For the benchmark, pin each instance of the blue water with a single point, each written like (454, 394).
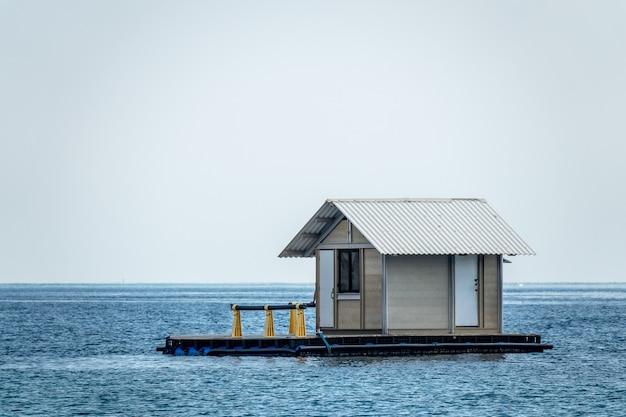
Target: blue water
(90, 350)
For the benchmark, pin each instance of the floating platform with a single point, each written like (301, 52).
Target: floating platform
(353, 345)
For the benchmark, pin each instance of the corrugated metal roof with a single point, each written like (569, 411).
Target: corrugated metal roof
(415, 227)
(320, 224)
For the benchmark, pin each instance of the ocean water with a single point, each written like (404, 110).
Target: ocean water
(91, 350)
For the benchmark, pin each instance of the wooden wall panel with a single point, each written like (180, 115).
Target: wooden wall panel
(348, 314)
(417, 292)
(339, 234)
(372, 289)
(490, 292)
(357, 237)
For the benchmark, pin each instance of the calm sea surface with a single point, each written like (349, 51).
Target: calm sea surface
(90, 350)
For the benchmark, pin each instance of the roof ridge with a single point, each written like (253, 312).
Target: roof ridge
(408, 199)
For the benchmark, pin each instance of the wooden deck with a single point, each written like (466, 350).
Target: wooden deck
(351, 345)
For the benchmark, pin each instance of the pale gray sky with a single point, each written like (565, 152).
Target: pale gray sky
(188, 141)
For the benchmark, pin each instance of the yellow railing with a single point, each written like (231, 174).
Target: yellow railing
(297, 324)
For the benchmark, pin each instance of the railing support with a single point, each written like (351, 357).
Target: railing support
(300, 324)
(293, 325)
(269, 322)
(236, 321)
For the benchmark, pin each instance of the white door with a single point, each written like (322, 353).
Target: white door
(466, 290)
(327, 289)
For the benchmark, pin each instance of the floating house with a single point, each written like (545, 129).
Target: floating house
(392, 277)
(408, 266)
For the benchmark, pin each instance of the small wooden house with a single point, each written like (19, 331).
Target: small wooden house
(407, 266)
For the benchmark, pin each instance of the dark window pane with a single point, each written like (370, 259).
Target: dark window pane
(344, 271)
(349, 271)
(355, 273)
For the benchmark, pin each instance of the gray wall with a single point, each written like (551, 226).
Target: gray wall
(417, 292)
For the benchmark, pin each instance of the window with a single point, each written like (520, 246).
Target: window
(349, 270)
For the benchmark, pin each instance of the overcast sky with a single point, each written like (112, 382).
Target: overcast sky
(189, 141)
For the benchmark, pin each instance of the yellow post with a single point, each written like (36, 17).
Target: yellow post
(292, 320)
(269, 322)
(236, 321)
(301, 326)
